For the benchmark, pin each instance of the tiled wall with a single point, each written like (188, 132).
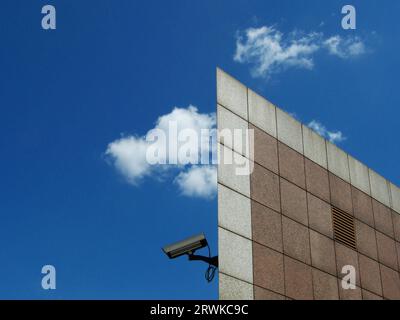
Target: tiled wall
(276, 236)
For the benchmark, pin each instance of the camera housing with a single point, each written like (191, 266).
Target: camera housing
(187, 246)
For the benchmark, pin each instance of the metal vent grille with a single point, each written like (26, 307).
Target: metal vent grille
(343, 228)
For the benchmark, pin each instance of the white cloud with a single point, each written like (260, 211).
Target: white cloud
(198, 181)
(129, 154)
(129, 157)
(188, 118)
(267, 49)
(332, 136)
(270, 51)
(344, 48)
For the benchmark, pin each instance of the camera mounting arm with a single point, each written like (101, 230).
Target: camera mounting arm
(210, 260)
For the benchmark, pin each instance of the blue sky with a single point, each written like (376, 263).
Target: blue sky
(114, 67)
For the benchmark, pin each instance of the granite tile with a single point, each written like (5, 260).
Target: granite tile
(294, 202)
(268, 268)
(267, 226)
(298, 280)
(265, 187)
(291, 165)
(296, 241)
(317, 180)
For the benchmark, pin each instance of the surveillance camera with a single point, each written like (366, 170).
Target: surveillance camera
(187, 246)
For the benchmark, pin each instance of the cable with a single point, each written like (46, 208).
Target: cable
(210, 272)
